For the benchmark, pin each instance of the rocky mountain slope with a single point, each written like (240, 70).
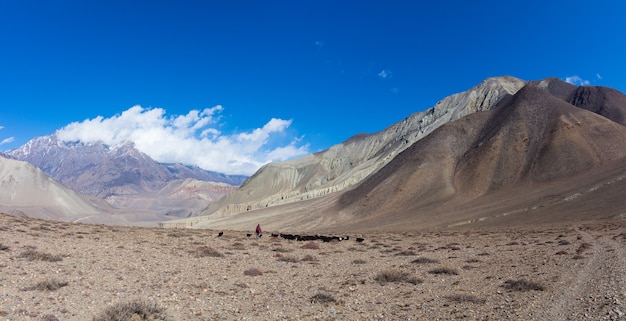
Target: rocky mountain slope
(344, 165)
(28, 191)
(125, 177)
(541, 154)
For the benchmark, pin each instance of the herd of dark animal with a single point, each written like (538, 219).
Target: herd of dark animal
(298, 237)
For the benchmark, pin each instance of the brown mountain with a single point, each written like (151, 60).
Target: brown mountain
(548, 153)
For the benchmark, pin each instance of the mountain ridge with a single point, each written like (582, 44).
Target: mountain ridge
(125, 177)
(344, 165)
(497, 161)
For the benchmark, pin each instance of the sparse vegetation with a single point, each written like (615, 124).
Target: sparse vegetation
(523, 285)
(238, 246)
(308, 258)
(323, 298)
(582, 248)
(46, 285)
(462, 298)
(290, 259)
(253, 272)
(359, 261)
(444, 270)
(310, 246)
(424, 260)
(204, 251)
(33, 255)
(396, 276)
(134, 310)
(281, 250)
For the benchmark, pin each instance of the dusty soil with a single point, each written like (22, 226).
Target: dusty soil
(62, 271)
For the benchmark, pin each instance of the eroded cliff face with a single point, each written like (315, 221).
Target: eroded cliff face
(348, 163)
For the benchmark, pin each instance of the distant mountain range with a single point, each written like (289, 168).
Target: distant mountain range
(125, 177)
(541, 149)
(505, 152)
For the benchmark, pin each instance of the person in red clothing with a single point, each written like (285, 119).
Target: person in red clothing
(259, 231)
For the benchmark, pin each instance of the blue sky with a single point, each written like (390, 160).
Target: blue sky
(231, 85)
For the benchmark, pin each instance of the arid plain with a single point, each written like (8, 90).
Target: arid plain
(63, 271)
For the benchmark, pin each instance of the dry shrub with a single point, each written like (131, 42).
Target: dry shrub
(50, 317)
(203, 251)
(310, 246)
(406, 253)
(34, 255)
(461, 298)
(396, 276)
(523, 285)
(308, 258)
(290, 259)
(46, 285)
(238, 246)
(582, 248)
(281, 250)
(134, 310)
(253, 272)
(177, 234)
(359, 261)
(323, 298)
(444, 270)
(424, 260)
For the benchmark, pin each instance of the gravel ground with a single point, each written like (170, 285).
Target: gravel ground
(62, 271)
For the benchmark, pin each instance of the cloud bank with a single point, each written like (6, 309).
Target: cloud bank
(191, 139)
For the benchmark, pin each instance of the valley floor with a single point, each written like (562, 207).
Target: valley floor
(62, 271)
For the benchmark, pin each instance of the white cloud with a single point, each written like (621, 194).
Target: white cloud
(385, 73)
(193, 138)
(598, 76)
(576, 80)
(7, 140)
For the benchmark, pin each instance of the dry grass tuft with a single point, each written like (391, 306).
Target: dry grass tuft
(323, 298)
(444, 270)
(308, 258)
(424, 260)
(523, 285)
(135, 310)
(203, 251)
(359, 261)
(46, 285)
(253, 272)
(290, 259)
(582, 248)
(34, 255)
(281, 250)
(396, 276)
(310, 246)
(461, 298)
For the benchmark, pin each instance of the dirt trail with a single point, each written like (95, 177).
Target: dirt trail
(598, 290)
